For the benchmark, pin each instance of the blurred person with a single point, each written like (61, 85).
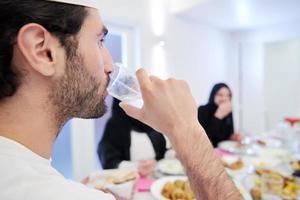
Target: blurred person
(216, 116)
(53, 67)
(127, 142)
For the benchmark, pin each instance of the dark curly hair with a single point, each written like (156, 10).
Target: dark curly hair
(61, 20)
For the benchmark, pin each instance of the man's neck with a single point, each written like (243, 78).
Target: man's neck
(29, 123)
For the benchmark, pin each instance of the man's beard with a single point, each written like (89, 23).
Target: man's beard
(76, 93)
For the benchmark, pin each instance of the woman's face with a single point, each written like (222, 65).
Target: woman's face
(223, 95)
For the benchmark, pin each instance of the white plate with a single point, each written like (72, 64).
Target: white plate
(158, 185)
(234, 173)
(233, 147)
(228, 145)
(278, 153)
(237, 147)
(265, 162)
(249, 181)
(270, 142)
(170, 167)
(99, 181)
(246, 195)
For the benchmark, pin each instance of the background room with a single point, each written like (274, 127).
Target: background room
(253, 45)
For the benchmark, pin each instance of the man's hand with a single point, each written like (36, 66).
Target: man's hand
(170, 108)
(146, 167)
(85, 181)
(236, 137)
(168, 104)
(223, 110)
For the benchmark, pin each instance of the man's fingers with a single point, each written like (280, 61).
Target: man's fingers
(143, 79)
(131, 110)
(85, 180)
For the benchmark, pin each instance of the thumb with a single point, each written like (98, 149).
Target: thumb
(130, 110)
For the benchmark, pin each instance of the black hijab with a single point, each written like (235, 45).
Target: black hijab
(211, 101)
(217, 130)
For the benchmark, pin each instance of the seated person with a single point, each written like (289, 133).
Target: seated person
(216, 116)
(125, 139)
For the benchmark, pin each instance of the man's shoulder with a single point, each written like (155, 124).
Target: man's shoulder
(68, 189)
(57, 189)
(26, 182)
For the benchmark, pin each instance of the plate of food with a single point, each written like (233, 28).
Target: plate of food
(265, 162)
(234, 165)
(120, 182)
(178, 187)
(236, 147)
(296, 165)
(278, 153)
(170, 167)
(288, 190)
(267, 141)
(246, 195)
(172, 188)
(230, 146)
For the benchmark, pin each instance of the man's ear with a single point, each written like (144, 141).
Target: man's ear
(38, 48)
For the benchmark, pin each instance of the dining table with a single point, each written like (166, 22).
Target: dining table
(255, 152)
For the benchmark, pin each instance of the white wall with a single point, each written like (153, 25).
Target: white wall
(252, 88)
(180, 5)
(197, 54)
(274, 33)
(233, 78)
(82, 145)
(252, 83)
(282, 80)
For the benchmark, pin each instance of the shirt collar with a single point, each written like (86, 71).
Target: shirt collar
(12, 148)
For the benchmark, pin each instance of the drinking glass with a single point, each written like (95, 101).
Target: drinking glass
(125, 86)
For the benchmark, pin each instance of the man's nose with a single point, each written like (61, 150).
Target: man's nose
(108, 61)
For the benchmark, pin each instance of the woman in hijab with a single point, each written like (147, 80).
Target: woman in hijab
(216, 116)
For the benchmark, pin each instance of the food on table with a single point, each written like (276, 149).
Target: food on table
(296, 165)
(179, 183)
(116, 178)
(288, 191)
(256, 192)
(261, 142)
(236, 147)
(179, 189)
(235, 165)
(260, 172)
(122, 177)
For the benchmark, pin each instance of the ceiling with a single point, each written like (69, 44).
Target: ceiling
(243, 14)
